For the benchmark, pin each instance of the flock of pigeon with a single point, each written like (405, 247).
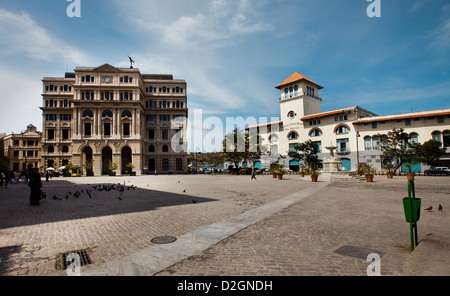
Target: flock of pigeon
(96, 188)
(100, 188)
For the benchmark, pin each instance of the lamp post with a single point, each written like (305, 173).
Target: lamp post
(357, 148)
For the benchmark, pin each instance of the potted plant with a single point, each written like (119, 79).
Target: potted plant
(113, 166)
(360, 169)
(389, 170)
(279, 171)
(131, 167)
(313, 170)
(368, 172)
(302, 170)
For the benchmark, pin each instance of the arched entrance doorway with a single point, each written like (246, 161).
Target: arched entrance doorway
(106, 159)
(346, 164)
(126, 158)
(87, 160)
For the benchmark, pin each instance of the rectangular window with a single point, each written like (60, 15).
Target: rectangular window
(107, 129)
(87, 129)
(126, 129)
(151, 134)
(407, 122)
(165, 134)
(440, 119)
(65, 134)
(319, 146)
(342, 145)
(374, 125)
(50, 134)
(292, 147)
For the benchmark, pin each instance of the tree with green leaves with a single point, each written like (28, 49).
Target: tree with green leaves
(399, 149)
(239, 146)
(430, 152)
(306, 154)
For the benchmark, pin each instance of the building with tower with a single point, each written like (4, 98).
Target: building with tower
(354, 131)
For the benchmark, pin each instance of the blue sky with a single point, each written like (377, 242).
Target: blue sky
(233, 52)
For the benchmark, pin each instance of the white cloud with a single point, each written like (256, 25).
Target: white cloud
(195, 43)
(19, 33)
(21, 100)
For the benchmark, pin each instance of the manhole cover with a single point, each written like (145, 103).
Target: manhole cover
(357, 252)
(163, 240)
(74, 257)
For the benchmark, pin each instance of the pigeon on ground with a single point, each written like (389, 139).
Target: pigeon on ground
(184, 190)
(194, 201)
(54, 197)
(440, 207)
(429, 209)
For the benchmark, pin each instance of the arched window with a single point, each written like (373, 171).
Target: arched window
(367, 143)
(126, 113)
(151, 149)
(293, 136)
(51, 103)
(273, 138)
(50, 149)
(65, 103)
(165, 148)
(286, 93)
(375, 143)
(107, 113)
(291, 92)
(65, 149)
(88, 113)
(341, 129)
(437, 136)
(178, 104)
(315, 133)
(295, 90)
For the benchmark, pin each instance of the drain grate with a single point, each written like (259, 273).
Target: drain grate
(163, 240)
(357, 252)
(64, 260)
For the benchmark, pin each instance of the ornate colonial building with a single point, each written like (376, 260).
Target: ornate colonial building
(354, 131)
(110, 115)
(22, 149)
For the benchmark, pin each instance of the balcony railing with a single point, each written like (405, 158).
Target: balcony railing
(299, 94)
(343, 151)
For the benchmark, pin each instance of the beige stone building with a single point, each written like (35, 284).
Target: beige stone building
(22, 149)
(115, 115)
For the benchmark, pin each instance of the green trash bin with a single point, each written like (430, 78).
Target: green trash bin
(416, 204)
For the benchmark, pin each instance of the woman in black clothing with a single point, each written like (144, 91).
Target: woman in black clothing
(35, 187)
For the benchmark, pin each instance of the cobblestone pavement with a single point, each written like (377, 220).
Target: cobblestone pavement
(31, 238)
(302, 239)
(306, 238)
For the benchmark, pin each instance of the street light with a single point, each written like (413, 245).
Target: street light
(357, 148)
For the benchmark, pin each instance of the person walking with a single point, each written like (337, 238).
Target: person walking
(7, 178)
(253, 174)
(35, 187)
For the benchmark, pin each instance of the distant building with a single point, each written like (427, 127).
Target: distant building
(22, 149)
(353, 130)
(114, 115)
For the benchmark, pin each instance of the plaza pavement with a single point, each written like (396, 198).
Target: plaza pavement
(225, 225)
